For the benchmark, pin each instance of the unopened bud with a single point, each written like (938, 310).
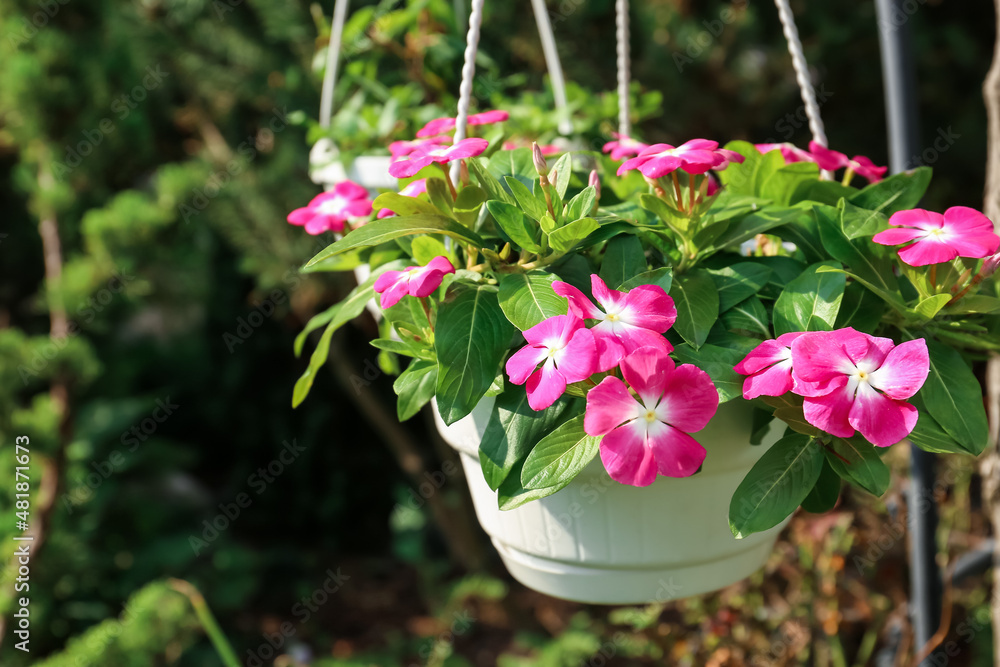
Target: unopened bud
(554, 176)
(505, 251)
(990, 265)
(596, 182)
(536, 156)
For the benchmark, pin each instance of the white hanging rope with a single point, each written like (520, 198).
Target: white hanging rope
(468, 73)
(801, 71)
(332, 60)
(624, 68)
(554, 66)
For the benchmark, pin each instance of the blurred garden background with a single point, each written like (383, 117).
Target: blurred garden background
(150, 298)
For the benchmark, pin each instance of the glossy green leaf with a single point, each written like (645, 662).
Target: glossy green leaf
(749, 318)
(388, 229)
(471, 338)
(512, 494)
(898, 192)
(718, 362)
(776, 485)
(810, 302)
(563, 169)
(488, 181)
(415, 387)
(759, 222)
(560, 456)
(567, 236)
(858, 255)
(954, 398)
(697, 301)
(528, 298)
(403, 205)
(582, 205)
(859, 222)
(525, 199)
(515, 224)
(663, 277)
(825, 493)
(738, 281)
(623, 260)
(513, 429)
(857, 461)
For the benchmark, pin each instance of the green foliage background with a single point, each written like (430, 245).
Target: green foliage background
(168, 138)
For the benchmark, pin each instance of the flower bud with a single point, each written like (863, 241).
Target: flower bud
(554, 176)
(990, 265)
(596, 182)
(536, 156)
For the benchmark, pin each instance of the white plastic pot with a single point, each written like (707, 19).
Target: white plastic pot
(372, 172)
(599, 541)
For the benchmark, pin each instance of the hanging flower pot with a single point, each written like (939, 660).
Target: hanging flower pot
(599, 541)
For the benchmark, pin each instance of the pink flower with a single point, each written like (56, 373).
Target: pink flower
(623, 147)
(829, 160)
(860, 382)
(695, 157)
(712, 186)
(328, 211)
(567, 352)
(960, 232)
(790, 152)
(414, 189)
(418, 281)
(420, 158)
(439, 125)
(769, 367)
(628, 320)
(648, 434)
(400, 149)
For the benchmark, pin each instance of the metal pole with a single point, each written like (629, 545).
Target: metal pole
(902, 120)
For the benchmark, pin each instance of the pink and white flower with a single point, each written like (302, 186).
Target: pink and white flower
(400, 149)
(790, 152)
(695, 157)
(649, 433)
(418, 281)
(330, 210)
(830, 160)
(934, 238)
(567, 352)
(439, 125)
(860, 383)
(627, 320)
(623, 146)
(768, 367)
(420, 158)
(414, 189)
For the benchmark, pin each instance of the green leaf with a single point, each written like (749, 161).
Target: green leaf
(426, 248)
(863, 466)
(718, 362)
(512, 494)
(928, 434)
(858, 255)
(345, 262)
(697, 303)
(756, 223)
(825, 493)
(665, 212)
(408, 348)
(514, 223)
(899, 192)
(471, 338)
(489, 182)
(528, 298)
(776, 485)
(560, 456)
(810, 302)
(748, 317)
(861, 308)
(783, 183)
(564, 169)
(513, 429)
(929, 307)
(582, 204)
(662, 277)
(440, 194)
(564, 238)
(860, 222)
(402, 205)
(978, 303)
(339, 315)
(388, 229)
(525, 199)
(739, 281)
(317, 321)
(623, 259)
(415, 387)
(954, 398)
(468, 204)
(517, 163)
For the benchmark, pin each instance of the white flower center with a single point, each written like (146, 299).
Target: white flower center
(331, 206)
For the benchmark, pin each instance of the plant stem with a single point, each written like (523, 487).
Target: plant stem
(447, 179)
(212, 629)
(933, 277)
(692, 186)
(848, 175)
(677, 190)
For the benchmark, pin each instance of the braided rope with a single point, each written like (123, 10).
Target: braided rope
(801, 71)
(468, 73)
(624, 68)
(554, 66)
(332, 58)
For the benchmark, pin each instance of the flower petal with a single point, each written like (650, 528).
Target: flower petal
(545, 386)
(393, 293)
(880, 419)
(350, 190)
(904, 370)
(898, 235)
(626, 457)
(773, 381)
(690, 399)
(609, 404)
(522, 363)
(649, 307)
(677, 454)
(578, 360)
(917, 218)
(647, 370)
(301, 216)
(830, 412)
(927, 251)
(579, 304)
